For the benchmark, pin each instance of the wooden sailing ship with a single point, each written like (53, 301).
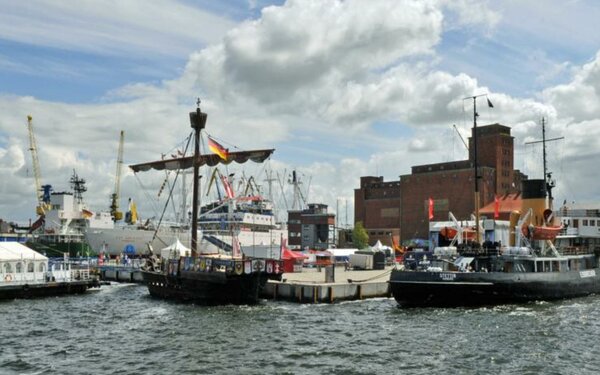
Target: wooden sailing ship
(230, 278)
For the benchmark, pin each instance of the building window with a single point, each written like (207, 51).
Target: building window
(7, 268)
(585, 223)
(42, 267)
(30, 267)
(19, 267)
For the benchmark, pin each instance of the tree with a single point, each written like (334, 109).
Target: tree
(360, 238)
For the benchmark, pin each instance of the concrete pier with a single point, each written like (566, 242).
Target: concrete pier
(120, 273)
(316, 286)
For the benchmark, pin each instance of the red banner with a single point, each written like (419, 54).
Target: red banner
(430, 209)
(496, 207)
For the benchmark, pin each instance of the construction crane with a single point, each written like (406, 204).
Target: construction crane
(42, 193)
(114, 202)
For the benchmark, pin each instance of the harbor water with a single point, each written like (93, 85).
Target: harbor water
(120, 329)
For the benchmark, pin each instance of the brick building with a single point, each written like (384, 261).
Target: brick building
(398, 210)
(312, 228)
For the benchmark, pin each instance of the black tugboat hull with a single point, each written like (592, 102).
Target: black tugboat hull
(211, 288)
(416, 288)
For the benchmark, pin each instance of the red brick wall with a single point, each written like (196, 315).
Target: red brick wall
(450, 185)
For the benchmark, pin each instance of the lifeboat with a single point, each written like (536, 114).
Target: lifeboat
(541, 233)
(450, 233)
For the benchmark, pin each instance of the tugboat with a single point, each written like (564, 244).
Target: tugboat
(530, 268)
(228, 277)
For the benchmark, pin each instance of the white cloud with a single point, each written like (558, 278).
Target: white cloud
(472, 14)
(310, 78)
(149, 28)
(580, 98)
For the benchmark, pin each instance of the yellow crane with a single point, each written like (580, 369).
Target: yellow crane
(114, 204)
(42, 193)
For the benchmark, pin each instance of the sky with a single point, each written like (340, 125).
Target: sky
(341, 89)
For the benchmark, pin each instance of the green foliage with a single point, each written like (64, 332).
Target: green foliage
(360, 238)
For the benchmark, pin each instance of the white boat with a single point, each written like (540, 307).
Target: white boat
(252, 220)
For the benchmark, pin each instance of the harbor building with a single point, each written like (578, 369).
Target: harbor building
(312, 228)
(396, 211)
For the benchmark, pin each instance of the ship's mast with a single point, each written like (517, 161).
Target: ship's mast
(475, 168)
(78, 185)
(548, 183)
(475, 164)
(198, 122)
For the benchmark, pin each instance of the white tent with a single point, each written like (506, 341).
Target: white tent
(13, 251)
(378, 246)
(20, 264)
(175, 250)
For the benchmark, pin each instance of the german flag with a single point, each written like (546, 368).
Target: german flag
(215, 147)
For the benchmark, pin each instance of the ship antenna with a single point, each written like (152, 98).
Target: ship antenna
(548, 183)
(474, 156)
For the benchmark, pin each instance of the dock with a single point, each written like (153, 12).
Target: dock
(120, 272)
(314, 285)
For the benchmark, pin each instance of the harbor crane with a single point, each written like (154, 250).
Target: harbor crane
(115, 196)
(42, 193)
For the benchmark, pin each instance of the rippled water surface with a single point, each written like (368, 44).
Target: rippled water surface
(120, 329)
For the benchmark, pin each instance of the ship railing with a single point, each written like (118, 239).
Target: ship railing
(22, 278)
(64, 271)
(478, 252)
(575, 250)
(80, 274)
(123, 263)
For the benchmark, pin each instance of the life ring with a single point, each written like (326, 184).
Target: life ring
(8, 278)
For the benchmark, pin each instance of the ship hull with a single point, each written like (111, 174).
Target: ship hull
(45, 290)
(420, 288)
(134, 241)
(75, 248)
(212, 288)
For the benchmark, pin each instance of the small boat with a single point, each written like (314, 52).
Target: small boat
(24, 273)
(200, 275)
(542, 233)
(451, 233)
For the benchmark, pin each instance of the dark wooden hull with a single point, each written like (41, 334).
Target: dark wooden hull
(421, 288)
(212, 288)
(13, 291)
